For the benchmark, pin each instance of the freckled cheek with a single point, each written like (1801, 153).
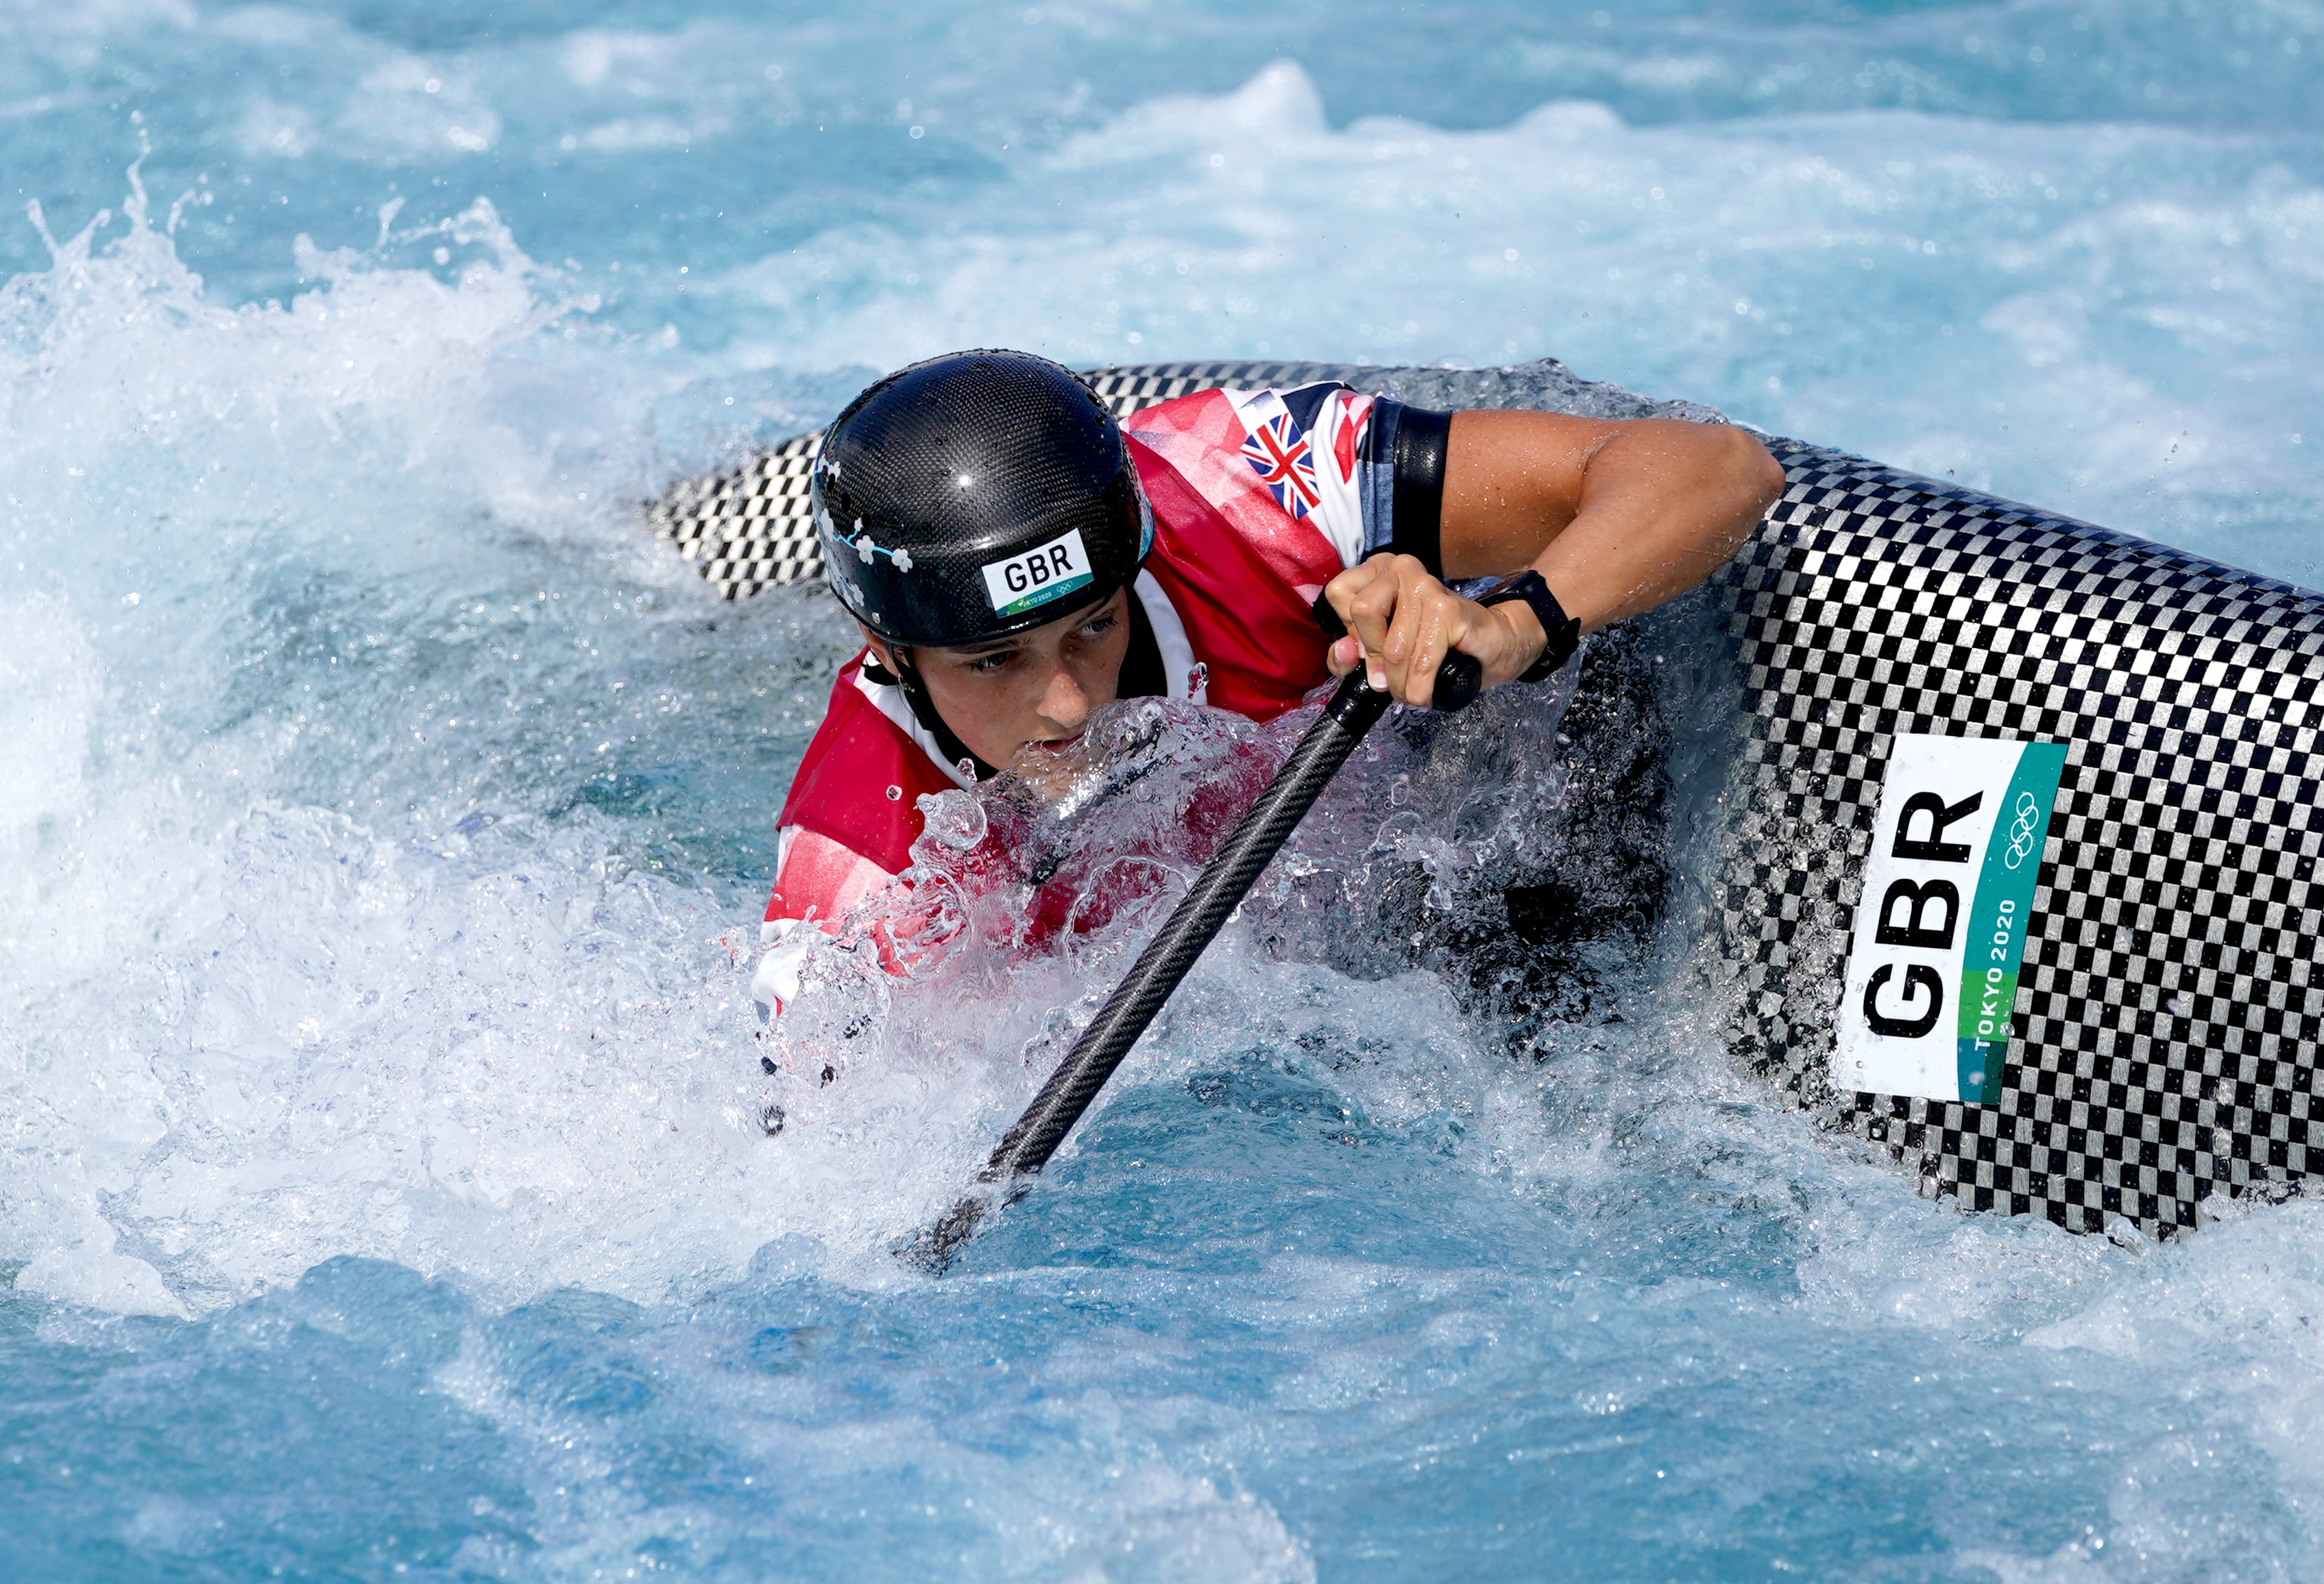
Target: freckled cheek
(987, 702)
(1099, 672)
(988, 713)
(1015, 707)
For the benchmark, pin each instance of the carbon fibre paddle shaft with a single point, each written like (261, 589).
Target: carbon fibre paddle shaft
(1192, 925)
(1196, 920)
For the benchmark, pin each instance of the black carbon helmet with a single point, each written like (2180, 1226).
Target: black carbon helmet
(962, 498)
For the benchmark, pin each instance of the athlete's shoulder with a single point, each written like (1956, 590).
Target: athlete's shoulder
(1287, 468)
(1241, 420)
(862, 778)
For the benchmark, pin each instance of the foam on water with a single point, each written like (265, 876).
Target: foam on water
(385, 1181)
(290, 826)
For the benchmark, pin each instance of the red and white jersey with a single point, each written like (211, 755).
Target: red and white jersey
(1259, 499)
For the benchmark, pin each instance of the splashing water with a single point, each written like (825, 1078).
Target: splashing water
(386, 1182)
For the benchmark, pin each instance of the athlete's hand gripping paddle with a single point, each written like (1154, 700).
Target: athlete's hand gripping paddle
(1192, 925)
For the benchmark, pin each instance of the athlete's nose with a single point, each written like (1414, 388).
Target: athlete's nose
(1063, 701)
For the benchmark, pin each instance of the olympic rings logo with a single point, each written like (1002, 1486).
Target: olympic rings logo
(2022, 832)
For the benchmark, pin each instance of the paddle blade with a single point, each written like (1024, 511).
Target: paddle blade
(934, 1247)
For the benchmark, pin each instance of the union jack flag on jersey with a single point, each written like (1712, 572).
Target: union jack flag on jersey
(1279, 454)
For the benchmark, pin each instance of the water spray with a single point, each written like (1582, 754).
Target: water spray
(1029, 1142)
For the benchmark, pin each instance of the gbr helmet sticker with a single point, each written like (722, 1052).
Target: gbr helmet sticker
(1940, 926)
(1036, 576)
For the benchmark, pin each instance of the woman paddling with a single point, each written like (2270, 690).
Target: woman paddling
(1017, 558)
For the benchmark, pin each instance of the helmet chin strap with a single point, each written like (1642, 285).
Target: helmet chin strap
(907, 677)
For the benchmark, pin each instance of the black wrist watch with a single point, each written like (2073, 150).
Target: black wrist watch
(1564, 631)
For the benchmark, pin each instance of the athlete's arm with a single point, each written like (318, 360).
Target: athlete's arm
(1617, 516)
(817, 883)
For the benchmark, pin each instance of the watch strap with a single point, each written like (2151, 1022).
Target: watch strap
(1564, 631)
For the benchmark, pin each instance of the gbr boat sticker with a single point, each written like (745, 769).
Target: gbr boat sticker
(1940, 926)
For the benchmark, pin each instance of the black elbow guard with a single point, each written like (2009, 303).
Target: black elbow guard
(1417, 519)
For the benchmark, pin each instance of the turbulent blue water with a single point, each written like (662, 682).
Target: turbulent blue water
(383, 817)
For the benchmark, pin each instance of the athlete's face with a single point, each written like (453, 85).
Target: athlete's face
(1029, 695)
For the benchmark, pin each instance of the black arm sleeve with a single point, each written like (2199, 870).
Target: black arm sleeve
(1417, 519)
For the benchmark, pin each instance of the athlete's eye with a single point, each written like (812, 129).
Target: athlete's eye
(1098, 627)
(985, 665)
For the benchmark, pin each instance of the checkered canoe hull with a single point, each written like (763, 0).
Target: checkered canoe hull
(2166, 1028)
